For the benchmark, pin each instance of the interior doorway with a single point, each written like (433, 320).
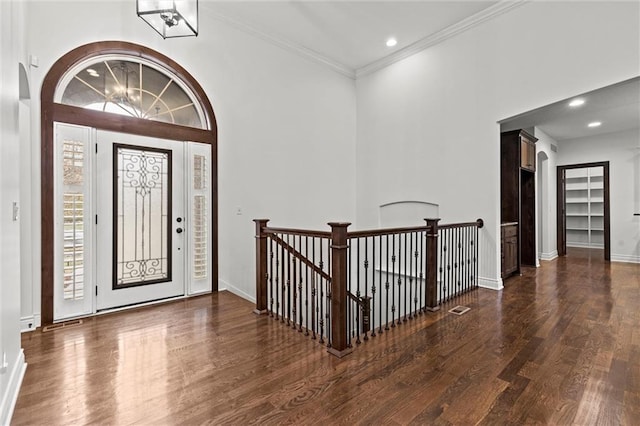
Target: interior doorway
(584, 208)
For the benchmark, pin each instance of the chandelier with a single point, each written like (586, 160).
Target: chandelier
(170, 18)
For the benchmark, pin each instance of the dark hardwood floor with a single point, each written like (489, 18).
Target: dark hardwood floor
(559, 345)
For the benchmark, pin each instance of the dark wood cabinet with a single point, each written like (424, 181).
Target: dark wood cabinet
(509, 244)
(517, 198)
(527, 153)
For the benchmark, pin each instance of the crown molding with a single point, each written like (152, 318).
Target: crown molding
(497, 9)
(484, 15)
(283, 43)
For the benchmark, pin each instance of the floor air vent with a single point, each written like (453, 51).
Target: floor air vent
(459, 310)
(60, 325)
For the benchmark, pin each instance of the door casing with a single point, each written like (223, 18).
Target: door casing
(561, 206)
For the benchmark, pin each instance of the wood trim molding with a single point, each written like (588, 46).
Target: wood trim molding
(52, 112)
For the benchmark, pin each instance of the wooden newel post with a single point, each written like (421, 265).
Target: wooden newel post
(431, 279)
(261, 267)
(339, 247)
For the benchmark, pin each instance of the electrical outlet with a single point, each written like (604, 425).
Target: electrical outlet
(239, 211)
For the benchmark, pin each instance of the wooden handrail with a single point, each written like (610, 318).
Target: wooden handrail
(299, 256)
(384, 231)
(388, 231)
(368, 232)
(479, 223)
(301, 232)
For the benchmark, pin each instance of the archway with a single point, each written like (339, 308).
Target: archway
(53, 111)
(543, 219)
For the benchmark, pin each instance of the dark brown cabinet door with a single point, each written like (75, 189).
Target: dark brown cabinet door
(527, 155)
(510, 255)
(509, 249)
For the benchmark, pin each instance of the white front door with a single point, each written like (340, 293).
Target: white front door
(132, 218)
(141, 220)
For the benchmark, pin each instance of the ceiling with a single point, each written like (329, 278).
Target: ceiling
(351, 34)
(617, 107)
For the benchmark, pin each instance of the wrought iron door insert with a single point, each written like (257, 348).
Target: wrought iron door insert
(141, 216)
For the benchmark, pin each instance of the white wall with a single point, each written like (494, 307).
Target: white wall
(427, 125)
(11, 357)
(621, 150)
(286, 125)
(547, 213)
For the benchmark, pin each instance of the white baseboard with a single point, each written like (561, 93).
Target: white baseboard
(10, 396)
(30, 323)
(585, 245)
(549, 256)
(223, 285)
(625, 258)
(490, 283)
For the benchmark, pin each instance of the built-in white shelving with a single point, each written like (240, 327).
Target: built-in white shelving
(585, 207)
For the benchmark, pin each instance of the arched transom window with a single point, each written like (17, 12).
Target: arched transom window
(131, 87)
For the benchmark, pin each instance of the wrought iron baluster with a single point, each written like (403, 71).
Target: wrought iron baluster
(454, 270)
(271, 277)
(407, 273)
(290, 283)
(386, 286)
(286, 296)
(349, 301)
(380, 285)
(393, 287)
(373, 288)
(366, 315)
(306, 293)
(423, 302)
(278, 280)
(475, 258)
(411, 276)
(449, 264)
(463, 282)
(328, 301)
(465, 257)
(451, 247)
(314, 290)
(470, 259)
(414, 247)
(400, 272)
(443, 264)
(297, 272)
(440, 263)
(322, 295)
(357, 325)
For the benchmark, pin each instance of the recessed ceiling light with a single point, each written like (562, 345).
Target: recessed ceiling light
(576, 102)
(391, 42)
(594, 124)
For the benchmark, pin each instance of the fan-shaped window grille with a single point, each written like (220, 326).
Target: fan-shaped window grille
(132, 87)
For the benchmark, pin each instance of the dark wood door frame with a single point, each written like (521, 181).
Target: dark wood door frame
(54, 112)
(561, 205)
